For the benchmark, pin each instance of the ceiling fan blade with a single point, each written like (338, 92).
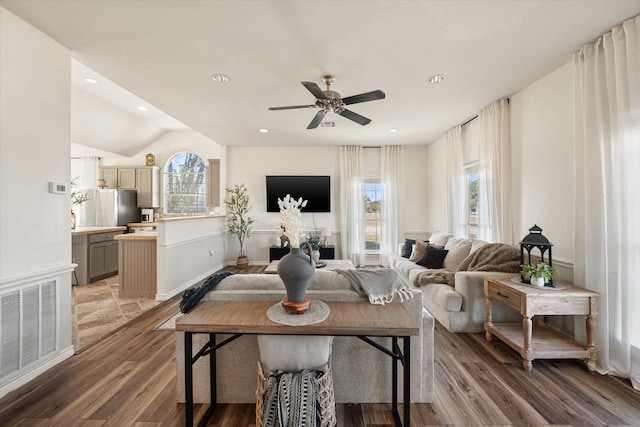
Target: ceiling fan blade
(314, 89)
(317, 119)
(292, 107)
(364, 97)
(355, 117)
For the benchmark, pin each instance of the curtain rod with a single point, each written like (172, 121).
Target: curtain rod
(469, 121)
(80, 158)
(476, 116)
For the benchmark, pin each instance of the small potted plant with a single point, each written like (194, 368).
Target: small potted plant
(545, 271)
(527, 270)
(238, 221)
(77, 198)
(316, 244)
(538, 274)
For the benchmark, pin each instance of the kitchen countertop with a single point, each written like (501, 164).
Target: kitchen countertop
(142, 224)
(183, 218)
(95, 230)
(144, 235)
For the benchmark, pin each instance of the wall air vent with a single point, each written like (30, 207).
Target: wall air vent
(27, 326)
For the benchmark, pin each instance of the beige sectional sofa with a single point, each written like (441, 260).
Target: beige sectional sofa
(361, 374)
(453, 294)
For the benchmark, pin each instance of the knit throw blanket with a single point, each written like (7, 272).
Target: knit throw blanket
(493, 257)
(192, 296)
(291, 400)
(379, 285)
(489, 257)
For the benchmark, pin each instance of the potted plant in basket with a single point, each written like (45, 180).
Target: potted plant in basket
(238, 221)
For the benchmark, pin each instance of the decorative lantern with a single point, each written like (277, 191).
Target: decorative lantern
(535, 239)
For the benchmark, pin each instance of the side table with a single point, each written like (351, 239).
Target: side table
(541, 341)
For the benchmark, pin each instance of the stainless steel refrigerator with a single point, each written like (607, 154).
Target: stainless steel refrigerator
(108, 208)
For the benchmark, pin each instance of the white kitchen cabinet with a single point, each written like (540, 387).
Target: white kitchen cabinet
(110, 176)
(148, 180)
(121, 178)
(144, 179)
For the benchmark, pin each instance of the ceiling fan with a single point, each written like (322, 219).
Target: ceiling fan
(329, 100)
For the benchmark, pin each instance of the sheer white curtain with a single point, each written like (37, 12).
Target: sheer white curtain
(607, 185)
(391, 163)
(89, 172)
(352, 204)
(456, 205)
(495, 223)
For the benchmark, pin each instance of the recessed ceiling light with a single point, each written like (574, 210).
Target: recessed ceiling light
(143, 108)
(90, 80)
(393, 130)
(437, 78)
(263, 130)
(220, 78)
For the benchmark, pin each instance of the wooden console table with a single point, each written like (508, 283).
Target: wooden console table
(541, 341)
(356, 319)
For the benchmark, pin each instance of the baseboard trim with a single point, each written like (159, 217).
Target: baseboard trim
(33, 373)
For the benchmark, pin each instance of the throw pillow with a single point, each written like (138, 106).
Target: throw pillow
(459, 249)
(439, 239)
(432, 257)
(408, 247)
(417, 253)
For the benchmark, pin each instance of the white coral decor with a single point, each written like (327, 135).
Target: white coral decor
(290, 214)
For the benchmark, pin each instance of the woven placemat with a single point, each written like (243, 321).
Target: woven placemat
(317, 312)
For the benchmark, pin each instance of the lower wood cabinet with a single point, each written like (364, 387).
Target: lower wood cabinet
(96, 256)
(103, 259)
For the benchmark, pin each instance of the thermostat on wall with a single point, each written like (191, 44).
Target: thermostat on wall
(57, 187)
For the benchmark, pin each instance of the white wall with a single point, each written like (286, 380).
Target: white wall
(436, 186)
(541, 167)
(542, 160)
(416, 209)
(189, 250)
(35, 80)
(250, 165)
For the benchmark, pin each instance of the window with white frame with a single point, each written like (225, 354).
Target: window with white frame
(471, 199)
(372, 194)
(184, 183)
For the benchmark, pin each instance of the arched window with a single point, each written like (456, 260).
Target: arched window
(184, 178)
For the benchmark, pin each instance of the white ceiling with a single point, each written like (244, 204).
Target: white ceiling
(165, 52)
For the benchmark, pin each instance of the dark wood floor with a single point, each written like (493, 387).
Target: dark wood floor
(128, 379)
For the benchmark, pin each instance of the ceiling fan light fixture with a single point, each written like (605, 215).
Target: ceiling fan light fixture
(220, 78)
(437, 78)
(393, 130)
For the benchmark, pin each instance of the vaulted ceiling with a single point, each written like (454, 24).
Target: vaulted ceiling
(164, 53)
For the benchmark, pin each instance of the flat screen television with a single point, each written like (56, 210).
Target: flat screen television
(315, 189)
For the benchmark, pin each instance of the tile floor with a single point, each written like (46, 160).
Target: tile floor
(97, 311)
